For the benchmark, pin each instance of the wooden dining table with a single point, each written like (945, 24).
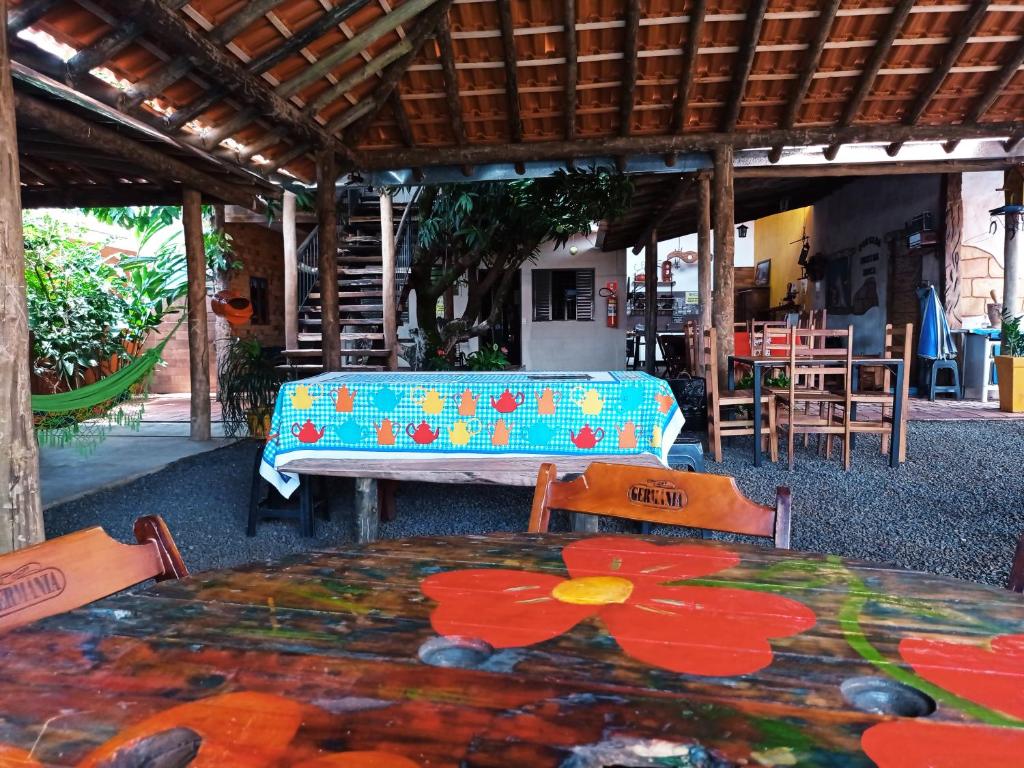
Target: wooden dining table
(525, 650)
(759, 364)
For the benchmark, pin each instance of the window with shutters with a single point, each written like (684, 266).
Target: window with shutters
(563, 294)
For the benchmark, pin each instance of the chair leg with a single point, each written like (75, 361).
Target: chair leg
(773, 441)
(255, 496)
(790, 442)
(716, 439)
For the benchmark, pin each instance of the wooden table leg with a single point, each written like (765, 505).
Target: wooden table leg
(367, 510)
(585, 523)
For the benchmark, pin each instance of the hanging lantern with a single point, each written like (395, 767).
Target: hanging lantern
(741, 230)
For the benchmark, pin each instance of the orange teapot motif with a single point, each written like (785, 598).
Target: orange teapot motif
(343, 399)
(500, 432)
(422, 433)
(307, 433)
(627, 435)
(507, 402)
(429, 400)
(665, 402)
(587, 438)
(547, 400)
(302, 396)
(385, 432)
(467, 403)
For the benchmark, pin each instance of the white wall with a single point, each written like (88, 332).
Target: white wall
(685, 276)
(574, 345)
(981, 193)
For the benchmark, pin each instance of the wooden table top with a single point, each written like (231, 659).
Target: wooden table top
(574, 652)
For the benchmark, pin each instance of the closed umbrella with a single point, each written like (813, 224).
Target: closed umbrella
(936, 342)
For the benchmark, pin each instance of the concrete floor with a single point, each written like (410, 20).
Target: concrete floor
(69, 472)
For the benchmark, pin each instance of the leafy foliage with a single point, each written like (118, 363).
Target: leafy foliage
(1012, 341)
(490, 357)
(481, 233)
(247, 384)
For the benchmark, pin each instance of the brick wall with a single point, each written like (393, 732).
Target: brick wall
(260, 251)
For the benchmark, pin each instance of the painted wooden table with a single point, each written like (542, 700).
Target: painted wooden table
(526, 650)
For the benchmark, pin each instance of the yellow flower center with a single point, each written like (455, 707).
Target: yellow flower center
(593, 590)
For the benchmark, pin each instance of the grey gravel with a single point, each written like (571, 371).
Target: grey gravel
(956, 507)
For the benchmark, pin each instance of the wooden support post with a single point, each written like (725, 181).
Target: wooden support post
(367, 510)
(21, 517)
(651, 275)
(953, 233)
(704, 249)
(327, 219)
(198, 338)
(291, 272)
(723, 306)
(387, 246)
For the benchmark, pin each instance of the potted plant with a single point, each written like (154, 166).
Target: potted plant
(1010, 365)
(247, 384)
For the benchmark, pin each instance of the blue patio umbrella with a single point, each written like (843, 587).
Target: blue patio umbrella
(936, 342)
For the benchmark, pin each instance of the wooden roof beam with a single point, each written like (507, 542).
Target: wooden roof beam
(662, 144)
(250, 12)
(571, 69)
(44, 116)
(870, 72)
(193, 110)
(103, 49)
(938, 75)
(745, 62)
(371, 68)
(311, 32)
(406, 12)
(401, 118)
(451, 80)
(683, 183)
(1011, 143)
(996, 87)
(686, 77)
(27, 14)
(154, 84)
(826, 17)
(221, 66)
(508, 40)
(629, 67)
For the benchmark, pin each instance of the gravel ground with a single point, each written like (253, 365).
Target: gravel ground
(956, 507)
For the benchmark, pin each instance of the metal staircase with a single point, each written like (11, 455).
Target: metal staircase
(360, 286)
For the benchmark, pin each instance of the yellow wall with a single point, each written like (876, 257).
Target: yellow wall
(773, 239)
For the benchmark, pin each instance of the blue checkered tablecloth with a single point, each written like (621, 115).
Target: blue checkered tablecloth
(395, 415)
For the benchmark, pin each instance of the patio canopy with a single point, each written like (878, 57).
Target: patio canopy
(263, 84)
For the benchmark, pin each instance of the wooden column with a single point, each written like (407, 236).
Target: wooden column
(953, 233)
(327, 218)
(387, 247)
(704, 248)
(198, 338)
(291, 272)
(21, 517)
(651, 301)
(723, 306)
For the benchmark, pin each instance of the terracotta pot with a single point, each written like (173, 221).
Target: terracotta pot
(231, 307)
(1011, 383)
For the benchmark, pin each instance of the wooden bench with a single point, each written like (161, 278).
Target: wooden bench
(371, 495)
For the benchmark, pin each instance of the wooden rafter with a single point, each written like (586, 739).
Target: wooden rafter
(104, 49)
(401, 118)
(826, 17)
(991, 93)
(221, 66)
(269, 139)
(629, 67)
(370, 69)
(1011, 143)
(313, 31)
(571, 70)
(233, 125)
(364, 38)
(27, 14)
(744, 63)
(153, 84)
(683, 184)
(451, 80)
(250, 12)
(938, 75)
(874, 63)
(194, 109)
(508, 40)
(688, 73)
(694, 142)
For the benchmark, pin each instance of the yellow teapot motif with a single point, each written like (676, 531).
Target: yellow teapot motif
(429, 400)
(462, 432)
(589, 401)
(302, 397)
(656, 437)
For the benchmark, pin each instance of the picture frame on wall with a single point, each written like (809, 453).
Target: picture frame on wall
(763, 272)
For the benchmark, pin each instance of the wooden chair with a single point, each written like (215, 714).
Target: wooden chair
(73, 570)
(663, 496)
(804, 344)
(1016, 583)
(673, 353)
(761, 330)
(719, 398)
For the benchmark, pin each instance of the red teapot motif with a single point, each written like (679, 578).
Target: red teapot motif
(307, 433)
(587, 437)
(507, 402)
(422, 433)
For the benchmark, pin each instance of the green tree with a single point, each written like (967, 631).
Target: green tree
(481, 233)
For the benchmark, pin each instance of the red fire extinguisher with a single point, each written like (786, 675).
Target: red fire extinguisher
(610, 292)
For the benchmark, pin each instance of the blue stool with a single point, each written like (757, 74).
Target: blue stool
(935, 388)
(686, 453)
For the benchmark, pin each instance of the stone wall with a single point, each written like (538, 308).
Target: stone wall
(980, 273)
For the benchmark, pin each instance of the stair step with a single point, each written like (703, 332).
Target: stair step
(317, 352)
(352, 336)
(378, 308)
(360, 294)
(316, 322)
(355, 271)
(348, 258)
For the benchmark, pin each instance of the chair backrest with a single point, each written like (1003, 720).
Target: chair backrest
(73, 570)
(709, 348)
(665, 496)
(761, 330)
(898, 345)
(1016, 583)
(809, 343)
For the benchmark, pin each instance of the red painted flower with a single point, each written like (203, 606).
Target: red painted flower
(991, 675)
(692, 629)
